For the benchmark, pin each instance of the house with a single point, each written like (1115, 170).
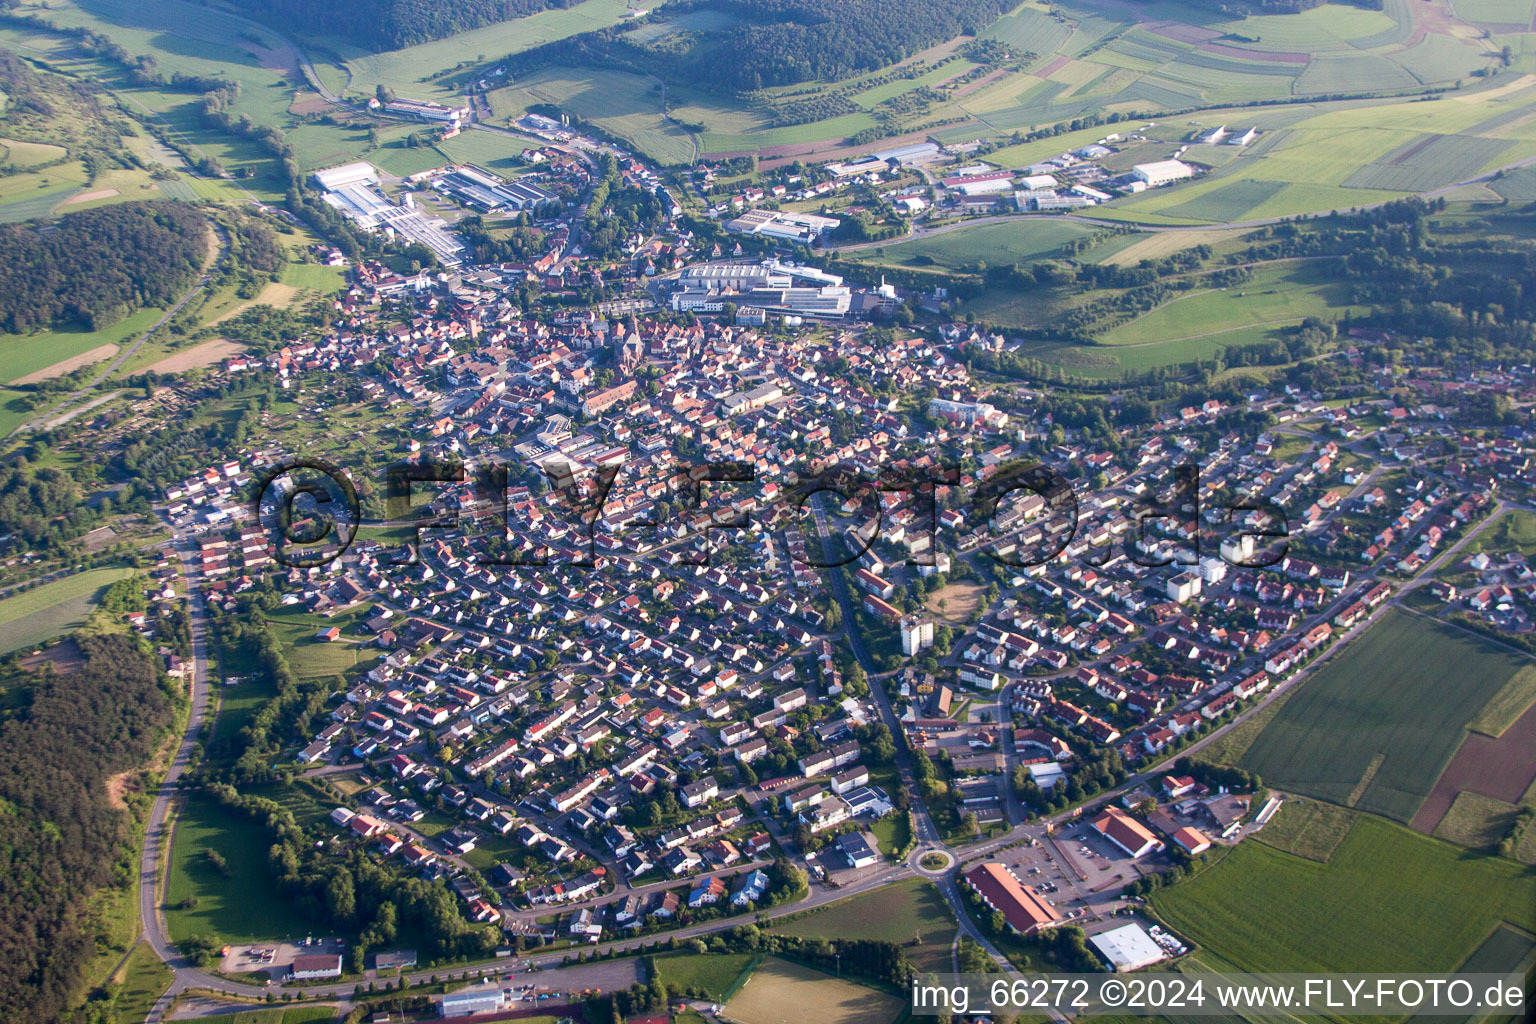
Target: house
(856, 850)
(750, 889)
(706, 892)
(697, 794)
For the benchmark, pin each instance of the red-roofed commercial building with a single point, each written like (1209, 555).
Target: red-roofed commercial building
(1023, 909)
(1127, 833)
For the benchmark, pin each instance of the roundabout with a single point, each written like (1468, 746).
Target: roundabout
(932, 862)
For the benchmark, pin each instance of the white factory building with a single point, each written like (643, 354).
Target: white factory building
(1162, 172)
(477, 187)
(426, 110)
(353, 190)
(770, 285)
(804, 228)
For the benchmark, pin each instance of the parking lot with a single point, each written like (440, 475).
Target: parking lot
(273, 957)
(1078, 871)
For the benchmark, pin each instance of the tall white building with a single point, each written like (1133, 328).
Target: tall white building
(916, 634)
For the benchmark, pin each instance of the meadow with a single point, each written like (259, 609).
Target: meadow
(625, 105)
(25, 354)
(418, 71)
(908, 912)
(999, 244)
(299, 1015)
(223, 906)
(310, 656)
(1278, 294)
(780, 992)
(38, 615)
(1308, 828)
(714, 974)
(1399, 697)
(1388, 899)
(140, 982)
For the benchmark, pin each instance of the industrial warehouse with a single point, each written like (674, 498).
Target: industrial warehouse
(771, 286)
(353, 189)
(484, 191)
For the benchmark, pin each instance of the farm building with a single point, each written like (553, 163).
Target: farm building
(1021, 907)
(1162, 172)
(917, 153)
(1192, 840)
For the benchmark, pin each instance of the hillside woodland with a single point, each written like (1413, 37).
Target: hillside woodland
(393, 23)
(61, 840)
(71, 273)
(774, 42)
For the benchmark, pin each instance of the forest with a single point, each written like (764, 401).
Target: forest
(775, 42)
(71, 273)
(391, 24)
(62, 840)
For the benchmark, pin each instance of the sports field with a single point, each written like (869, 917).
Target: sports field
(911, 911)
(1397, 698)
(1389, 899)
(780, 992)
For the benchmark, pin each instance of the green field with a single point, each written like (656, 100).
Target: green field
(1308, 828)
(1427, 162)
(40, 614)
(911, 913)
(224, 905)
(141, 981)
(21, 355)
(413, 71)
(1388, 900)
(623, 104)
(714, 974)
(1278, 294)
(997, 245)
(1402, 693)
